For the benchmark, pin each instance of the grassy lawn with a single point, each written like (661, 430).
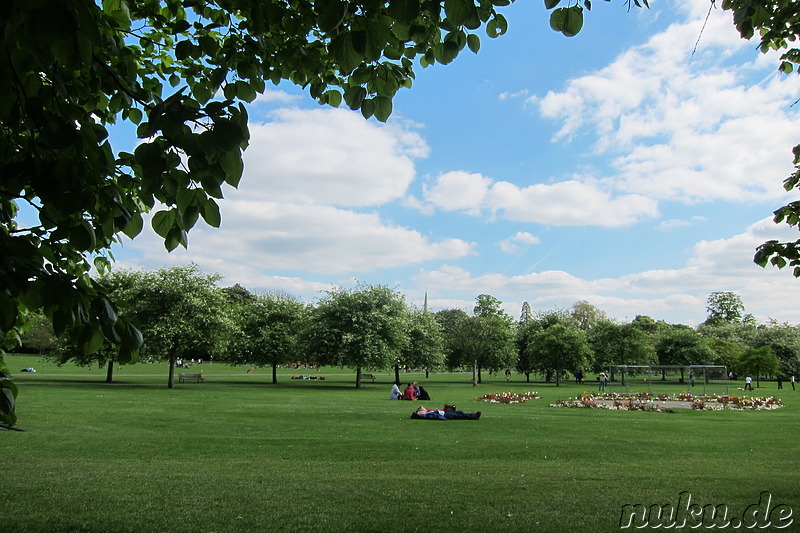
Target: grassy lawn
(237, 453)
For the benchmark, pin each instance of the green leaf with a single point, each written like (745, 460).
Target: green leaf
(232, 164)
(331, 13)
(474, 42)
(462, 13)
(344, 49)
(135, 115)
(383, 108)
(354, 96)
(567, 20)
(497, 26)
(91, 339)
(134, 226)
(175, 237)
(368, 108)
(105, 312)
(210, 213)
(82, 237)
(245, 91)
(163, 222)
(550, 4)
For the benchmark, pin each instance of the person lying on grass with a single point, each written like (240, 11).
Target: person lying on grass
(444, 414)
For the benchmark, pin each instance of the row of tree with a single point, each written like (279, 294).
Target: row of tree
(183, 315)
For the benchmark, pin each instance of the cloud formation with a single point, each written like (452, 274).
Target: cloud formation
(680, 126)
(566, 203)
(329, 156)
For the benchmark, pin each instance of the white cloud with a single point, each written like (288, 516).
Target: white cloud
(675, 295)
(511, 244)
(261, 237)
(273, 95)
(682, 127)
(568, 203)
(330, 156)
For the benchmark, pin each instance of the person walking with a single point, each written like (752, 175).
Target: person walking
(748, 383)
(792, 380)
(780, 381)
(603, 380)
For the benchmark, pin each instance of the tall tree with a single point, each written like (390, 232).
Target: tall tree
(724, 307)
(726, 353)
(620, 344)
(178, 72)
(586, 316)
(525, 315)
(182, 314)
(489, 307)
(784, 341)
(449, 320)
(484, 342)
(425, 344)
(682, 345)
(362, 328)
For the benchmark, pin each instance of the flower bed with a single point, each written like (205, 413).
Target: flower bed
(508, 397)
(666, 403)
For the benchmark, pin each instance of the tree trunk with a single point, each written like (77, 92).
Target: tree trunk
(358, 377)
(171, 380)
(480, 377)
(397, 375)
(110, 371)
(274, 373)
(558, 376)
(527, 377)
(475, 373)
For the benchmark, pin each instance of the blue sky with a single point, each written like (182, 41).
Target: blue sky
(614, 167)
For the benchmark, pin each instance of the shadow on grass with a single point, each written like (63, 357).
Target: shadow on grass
(208, 383)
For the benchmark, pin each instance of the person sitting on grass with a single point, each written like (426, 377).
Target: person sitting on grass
(396, 394)
(444, 414)
(410, 393)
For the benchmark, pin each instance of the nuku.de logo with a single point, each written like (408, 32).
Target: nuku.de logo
(692, 515)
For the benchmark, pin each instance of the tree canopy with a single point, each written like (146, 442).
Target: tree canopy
(362, 328)
(724, 307)
(179, 71)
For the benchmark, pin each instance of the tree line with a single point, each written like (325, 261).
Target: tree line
(183, 314)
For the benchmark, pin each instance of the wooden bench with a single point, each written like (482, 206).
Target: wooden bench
(195, 377)
(367, 376)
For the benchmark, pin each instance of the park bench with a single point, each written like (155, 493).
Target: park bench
(368, 376)
(196, 377)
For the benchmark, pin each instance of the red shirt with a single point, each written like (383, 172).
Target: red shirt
(409, 393)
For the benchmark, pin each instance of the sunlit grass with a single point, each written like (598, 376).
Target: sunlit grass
(237, 453)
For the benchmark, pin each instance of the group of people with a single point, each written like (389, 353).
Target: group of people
(414, 391)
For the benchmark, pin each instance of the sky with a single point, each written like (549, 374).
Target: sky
(635, 166)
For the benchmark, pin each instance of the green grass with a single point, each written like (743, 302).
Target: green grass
(237, 453)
